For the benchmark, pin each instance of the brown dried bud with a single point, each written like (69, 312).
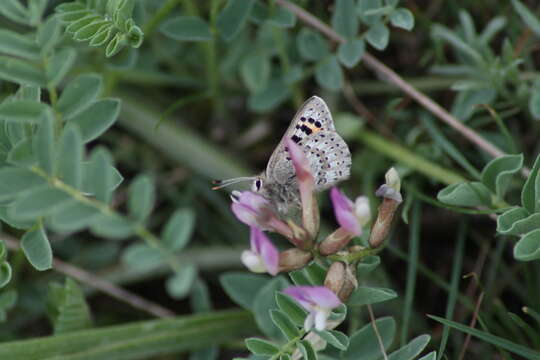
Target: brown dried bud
(335, 242)
(382, 225)
(293, 259)
(341, 279)
(335, 277)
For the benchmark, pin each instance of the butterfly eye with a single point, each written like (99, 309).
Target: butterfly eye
(258, 184)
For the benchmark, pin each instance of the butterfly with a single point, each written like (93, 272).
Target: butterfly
(312, 128)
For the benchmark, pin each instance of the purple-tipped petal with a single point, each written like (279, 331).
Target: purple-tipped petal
(312, 297)
(300, 161)
(263, 248)
(268, 252)
(250, 208)
(344, 211)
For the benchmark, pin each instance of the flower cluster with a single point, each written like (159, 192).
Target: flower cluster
(263, 256)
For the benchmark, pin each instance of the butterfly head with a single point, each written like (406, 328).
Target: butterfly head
(258, 183)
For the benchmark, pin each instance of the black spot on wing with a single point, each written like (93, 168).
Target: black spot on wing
(295, 138)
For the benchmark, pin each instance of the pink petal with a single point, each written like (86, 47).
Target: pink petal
(311, 296)
(263, 246)
(344, 211)
(300, 162)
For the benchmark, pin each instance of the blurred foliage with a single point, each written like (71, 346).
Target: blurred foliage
(116, 114)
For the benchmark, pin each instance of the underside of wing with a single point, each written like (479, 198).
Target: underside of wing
(312, 117)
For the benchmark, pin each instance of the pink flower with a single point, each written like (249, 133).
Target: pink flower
(318, 300)
(306, 186)
(254, 210)
(350, 216)
(263, 256)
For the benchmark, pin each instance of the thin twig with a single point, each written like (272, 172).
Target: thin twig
(392, 77)
(376, 331)
(471, 325)
(100, 284)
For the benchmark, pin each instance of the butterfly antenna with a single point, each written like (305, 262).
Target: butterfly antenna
(223, 183)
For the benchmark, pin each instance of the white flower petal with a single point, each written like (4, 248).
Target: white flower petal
(253, 262)
(320, 319)
(310, 320)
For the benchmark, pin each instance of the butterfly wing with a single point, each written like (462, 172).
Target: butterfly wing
(329, 158)
(312, 117)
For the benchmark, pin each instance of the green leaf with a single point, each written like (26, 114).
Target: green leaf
(44, 143)
(255, 71)
(233, 18)
(142, 195)
(465, 194)
(41, 201)
(5, 274)
(21, 72)
(285, 324)
(367, 265)
(311, 45)
(290, 307)
(497, 174)
(328, 73)
(142, 257)
(156, 338)
(14, 11)
(275, 93)
(243, 287)
(15, 181)
(344, 20)
(67, 308)
(412, 349)
(49, 34)
(431, 356)
(179, 229)
(534, 103)
(200, 300)
(70, 157)
(335, 338)
(350, 52)
(29, 92)
(281, 17)
(59, 65)
(88, 176)
(3, 251)
(364, 344)
(528, 247)
(307, 350)
(91, 29)
(527, 16)
(313, 274)
(72, 217)
(260, 346)
(442, 32)
(111, 226)
(186, 28)
(79, 94)
(100, 175)
(37, 249)
(378, 35)
(18, 45)
(102, 36)
(402, 18)
(264, 302)
(22, 110)
(517, 221)
(530, 194)
(179, 285)
(8, 299)
(82, 22)
(115, 45)
(365, 295)
(97, 118)
(491, 339)
(22, 154)
(366, 11)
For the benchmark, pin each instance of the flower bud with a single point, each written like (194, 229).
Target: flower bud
(341, 279)
(335, 241)
(293, 259)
